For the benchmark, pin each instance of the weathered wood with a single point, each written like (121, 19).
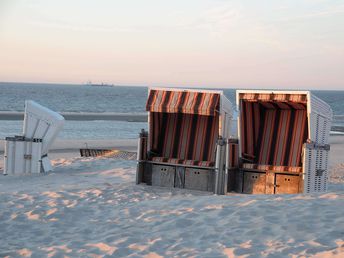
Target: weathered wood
(179, 181)
(232, 173)
(270, 183)
(139, 172)
(211, 180)
(198, 179)
(163, 175)
(147, 174)
(301, 184)
(287, 184)
(239, 178)
(254, 183)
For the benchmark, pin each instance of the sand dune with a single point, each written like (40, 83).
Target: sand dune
(91, 207)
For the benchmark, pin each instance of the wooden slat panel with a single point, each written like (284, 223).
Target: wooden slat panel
(254, 183)
(287, 184)
(270, 183)
(239, 181)
(179, 180)
(163, 175)
(232, 174)
(198, 179)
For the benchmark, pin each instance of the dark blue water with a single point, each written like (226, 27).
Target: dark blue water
(82, 98)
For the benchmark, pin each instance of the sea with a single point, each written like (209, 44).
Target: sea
(115, 99)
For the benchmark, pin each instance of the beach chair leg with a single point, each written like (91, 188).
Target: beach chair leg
(139, 172)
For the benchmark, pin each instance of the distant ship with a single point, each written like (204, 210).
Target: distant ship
(99, 84)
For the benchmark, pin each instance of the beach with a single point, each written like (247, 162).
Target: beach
(171, 129)
(91, 207)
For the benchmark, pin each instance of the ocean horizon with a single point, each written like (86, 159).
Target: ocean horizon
(83, 98)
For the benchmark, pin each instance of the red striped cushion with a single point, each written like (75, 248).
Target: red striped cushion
(184, 162)
(279, 97)
(272, 168)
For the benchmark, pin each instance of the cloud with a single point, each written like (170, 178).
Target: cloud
(330, 11)
(81, 27)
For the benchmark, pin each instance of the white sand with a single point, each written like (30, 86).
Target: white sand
(92, 208)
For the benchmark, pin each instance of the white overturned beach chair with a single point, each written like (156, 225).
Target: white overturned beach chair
(29, 153)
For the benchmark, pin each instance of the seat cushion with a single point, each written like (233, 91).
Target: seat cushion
(271, 168)
(184, 162)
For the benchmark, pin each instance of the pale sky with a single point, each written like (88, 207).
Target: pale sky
(200, 43)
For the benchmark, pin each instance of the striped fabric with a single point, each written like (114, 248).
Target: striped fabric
(267, 97)
(250, 124)
(233, 158)
(187, 102)
(184, 162)
(183, 136)
(272, 168)
(277, 138)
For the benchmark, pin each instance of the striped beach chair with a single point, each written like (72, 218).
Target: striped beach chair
(186, 136)
(283, 139)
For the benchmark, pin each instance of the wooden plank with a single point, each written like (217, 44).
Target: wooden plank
(270, 183)
(139, 172)
(197, 179)
(163, 175)
(301, 184)
(254, 183)
(179, 181)
(211, 180)
(239, 178)
(287, 184)
(231, 179)
(147, 173)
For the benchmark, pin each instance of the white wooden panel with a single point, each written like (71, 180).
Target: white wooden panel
(8, 158)
(41, 130)
(22, 156)
(30, 125)
(46, 164)
(36, 153)
(43, 123)
(28, 155)
(19, 152)
(315, 167)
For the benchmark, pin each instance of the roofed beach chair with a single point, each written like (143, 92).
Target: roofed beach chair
(283, 142)
(29, 153)
(186, 143)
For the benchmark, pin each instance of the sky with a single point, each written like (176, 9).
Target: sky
(198, 43)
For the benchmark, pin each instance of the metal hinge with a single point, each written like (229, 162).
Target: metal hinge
(319, 172)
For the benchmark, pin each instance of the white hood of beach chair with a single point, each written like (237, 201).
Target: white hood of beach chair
(41, 123)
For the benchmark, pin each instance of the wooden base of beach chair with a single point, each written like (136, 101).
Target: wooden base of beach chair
(254, 183)
(173, 176)
(199, 179)
(163, 175)
(232, 177)
(268, 182)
